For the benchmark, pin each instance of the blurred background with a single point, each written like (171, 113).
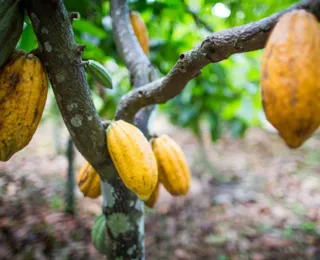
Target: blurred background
(251, 196)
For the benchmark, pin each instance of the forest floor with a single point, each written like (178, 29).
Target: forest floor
(251, 198)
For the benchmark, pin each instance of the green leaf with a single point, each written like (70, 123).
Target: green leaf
(88, 27)
(28, 40)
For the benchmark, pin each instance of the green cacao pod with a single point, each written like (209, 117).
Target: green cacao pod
(99, 73)
(11, 25)
(98, 234)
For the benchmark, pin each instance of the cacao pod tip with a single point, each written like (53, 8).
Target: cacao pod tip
(151, 202)
(292, 144)
(143, 197)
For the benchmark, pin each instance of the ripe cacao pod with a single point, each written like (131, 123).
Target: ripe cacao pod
(89, 181)
(154, 197)
(133, 158)
(98, 234)
(140, 30)
(174, 172)
(290, 83)
(11, 25)
(23, 94)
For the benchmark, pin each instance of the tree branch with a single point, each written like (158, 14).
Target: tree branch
(138, 64)
(219, 46)
(127, 43)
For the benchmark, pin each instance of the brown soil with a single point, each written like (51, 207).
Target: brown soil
(250, 199)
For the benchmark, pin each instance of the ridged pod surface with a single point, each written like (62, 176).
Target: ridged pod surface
(11, 25)
(88, 181)
(99, 73)
(133, 158)
(174, 172)
(140, 30)
(151, 202)
(290, 83)
(23, 94)
(98, 234)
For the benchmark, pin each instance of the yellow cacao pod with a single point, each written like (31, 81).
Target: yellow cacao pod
(23, 94)
(88, 181)
(133, 158)
(154, 197)
(140, 30)
(290, 83)
(174, 172)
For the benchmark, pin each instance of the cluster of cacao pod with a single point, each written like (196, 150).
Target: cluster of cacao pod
(23, 84)
(290, 83)
(133, 157)
(141, 165)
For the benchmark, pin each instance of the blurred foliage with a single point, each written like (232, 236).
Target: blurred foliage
(225, 96)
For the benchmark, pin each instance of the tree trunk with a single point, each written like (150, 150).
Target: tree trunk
(124, 217)
(61, 56)
(69, 193)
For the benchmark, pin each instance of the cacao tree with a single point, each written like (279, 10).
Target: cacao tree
(61, 55)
